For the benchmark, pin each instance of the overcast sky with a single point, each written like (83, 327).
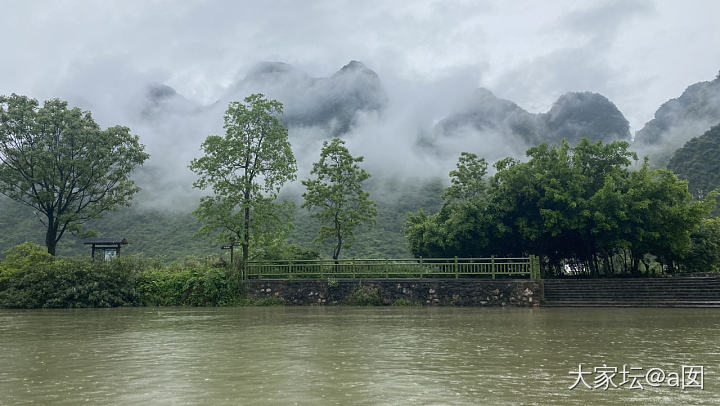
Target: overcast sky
(637, 53)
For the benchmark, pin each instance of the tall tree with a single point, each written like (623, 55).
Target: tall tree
(467, 181)
(59, 162)
(245, 170)
(336, 196)
(461, 226)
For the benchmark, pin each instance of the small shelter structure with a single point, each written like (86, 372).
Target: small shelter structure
(106, 248)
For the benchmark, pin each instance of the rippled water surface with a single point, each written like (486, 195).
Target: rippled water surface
(346, 355)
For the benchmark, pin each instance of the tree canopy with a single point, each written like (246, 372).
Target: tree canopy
(336, 196)
(245, 170)
(58, 161)
(581, 205)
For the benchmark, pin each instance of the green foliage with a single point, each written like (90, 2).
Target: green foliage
(698, 161)
(290, 252)
(704, 255)
(384, 239)
(268, 225)
(170, 234)
(23, 258)
(460, 227)
(67, 283)
(32, 278)
(192, 283)
(466, 182)
(59, 162)
(364, 296)
(245, 170)
(336, 196)
(581, 205)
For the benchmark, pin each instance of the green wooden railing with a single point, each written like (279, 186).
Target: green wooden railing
(395, 268)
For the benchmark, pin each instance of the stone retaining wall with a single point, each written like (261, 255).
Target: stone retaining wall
(447, 292)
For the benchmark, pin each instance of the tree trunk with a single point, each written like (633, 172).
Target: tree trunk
(635, 265)
(246, 224)
(338, 247)
(246, 237)
(51, 237)
(607, 265)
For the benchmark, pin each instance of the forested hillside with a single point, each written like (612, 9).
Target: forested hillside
(678, 120)
(171, 234)
(698, 161)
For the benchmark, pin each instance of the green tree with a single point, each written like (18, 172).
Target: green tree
(467, 181)
(245, 170)
(336, 196)
(60, 163)
(661, 215)
(698, 161)
(581, 205)
(461, 226)
(704, 255)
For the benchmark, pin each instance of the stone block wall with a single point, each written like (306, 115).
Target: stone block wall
(444, 292)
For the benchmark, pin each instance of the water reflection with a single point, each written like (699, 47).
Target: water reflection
(344, 355)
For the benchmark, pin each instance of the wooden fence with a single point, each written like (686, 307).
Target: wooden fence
(396, 268)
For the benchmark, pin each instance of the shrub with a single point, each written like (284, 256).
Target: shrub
(704, 255)
(31, 278)
(71, 283)
(22, 258)
(194, 283)
(365, 296)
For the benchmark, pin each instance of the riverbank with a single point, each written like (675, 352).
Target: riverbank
(397, 291)
(30, 278)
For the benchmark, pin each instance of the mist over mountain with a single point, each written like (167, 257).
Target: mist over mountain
(573, 116)
(314, 109)
(680, 119)
(160, 99)
(410, 133)
(332, 102)
(407, 131)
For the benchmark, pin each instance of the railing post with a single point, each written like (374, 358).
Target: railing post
(422, 270)
(531, 266)
(492, 266)
(387, 267)
(456, 268)
(353, 267)
(535, 266)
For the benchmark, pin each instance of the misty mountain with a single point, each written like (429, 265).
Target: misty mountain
(572, 116)
(160, 99)
(680, 119)
(330, 102)
(173, 127)
(698, 161)
(583, 114)
(487, 112)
